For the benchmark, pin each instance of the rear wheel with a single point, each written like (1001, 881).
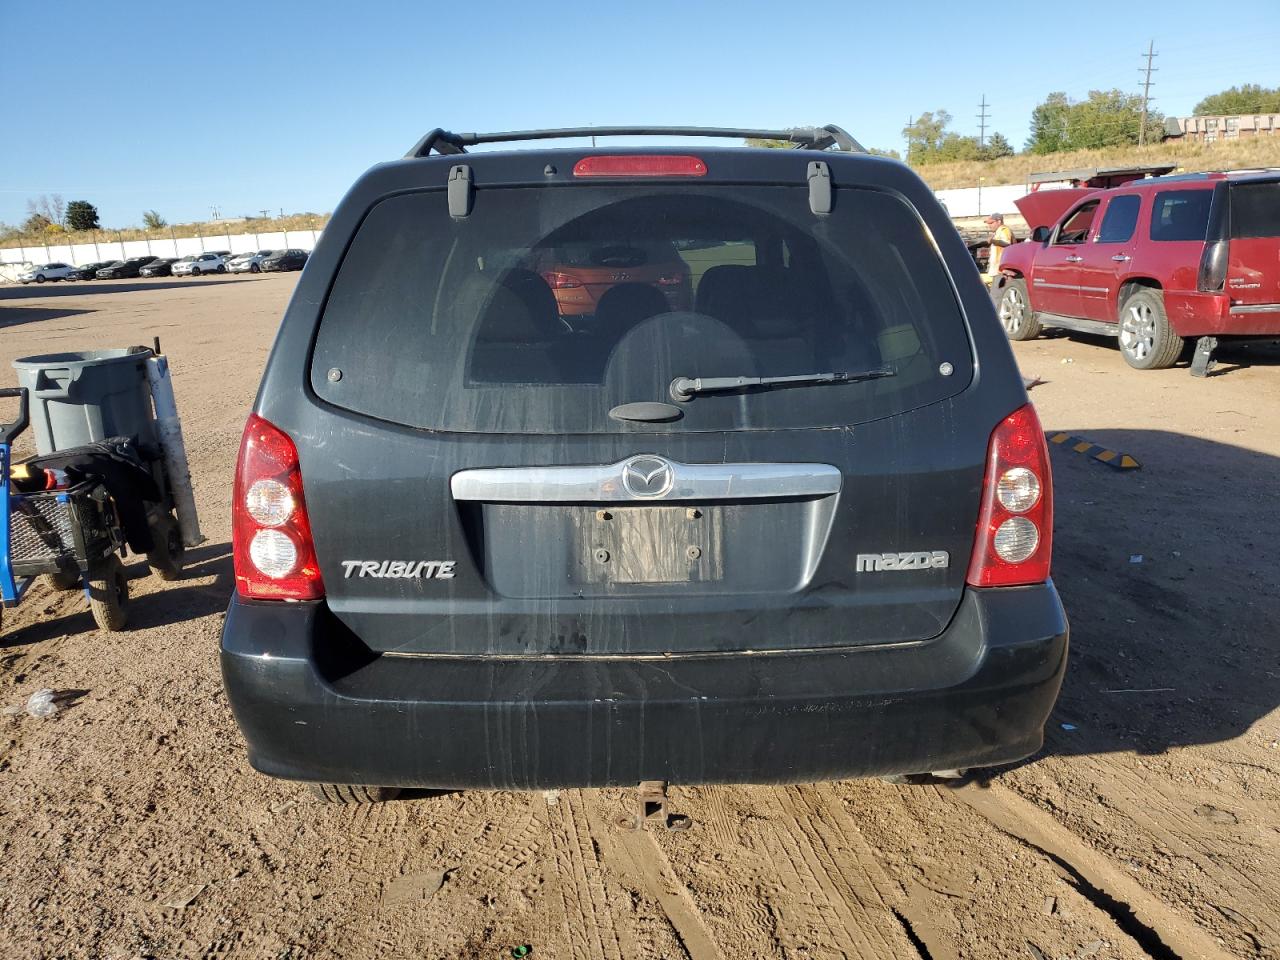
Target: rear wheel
(1147, 342)
(166, 555)
(109, 593)
(1016, 316)
(352, 793)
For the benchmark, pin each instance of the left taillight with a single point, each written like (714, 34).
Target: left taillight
(1014, 542)
(272, 549)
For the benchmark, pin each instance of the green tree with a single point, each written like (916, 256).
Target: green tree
(82, 215)
(997, 146)
(1246, 98)
(891, 154)
(1106, 118)
(153, 221)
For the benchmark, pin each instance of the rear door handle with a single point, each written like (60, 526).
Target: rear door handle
(1074, 259)
(1120, 258)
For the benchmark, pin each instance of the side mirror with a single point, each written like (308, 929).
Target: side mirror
(1041, 234)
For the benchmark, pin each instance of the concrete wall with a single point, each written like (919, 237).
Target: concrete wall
(160, 247)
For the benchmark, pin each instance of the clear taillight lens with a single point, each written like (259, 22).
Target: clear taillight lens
(1014, 541)
(1213, 266)
(272, 549)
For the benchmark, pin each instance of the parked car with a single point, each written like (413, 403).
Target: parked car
(46, 271)
(581, 272)
(284, 260)
(1154, 263)
(199, 263)
(160, 267)
(88, 271)
(250, 262)
(788, 534)
(124, 269)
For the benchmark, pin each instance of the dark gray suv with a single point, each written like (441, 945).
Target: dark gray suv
(776, 509)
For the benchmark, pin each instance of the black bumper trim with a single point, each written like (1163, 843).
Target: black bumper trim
(315, 705)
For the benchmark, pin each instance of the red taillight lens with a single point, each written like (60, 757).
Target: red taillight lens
(272, 550)
(561, 281)
(671, 280)
(1014, 542)
(640, 166)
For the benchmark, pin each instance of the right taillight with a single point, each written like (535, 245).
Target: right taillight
(272, 550)
(1213, 266)
(1014, 541)
(561, 281)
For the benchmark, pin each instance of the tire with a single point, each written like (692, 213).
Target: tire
(39, 278)
(63, 579)
(109, 594)
(1016, 316)
(222, 268)
(195, 271)
(1147, 342)
(352, 793)
(165, 559)
(254, 268)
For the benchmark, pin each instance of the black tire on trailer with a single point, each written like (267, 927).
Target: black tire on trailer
(109, 593)
(352, 793)
(1016, 316)
(165, 558)
(1147, 341)
(63, 579)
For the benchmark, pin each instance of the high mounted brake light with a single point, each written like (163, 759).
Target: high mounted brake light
(272, 550)
(1014, 541)
(658, 165)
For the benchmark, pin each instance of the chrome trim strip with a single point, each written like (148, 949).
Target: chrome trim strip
(1056, 286)
(603, 484)
(1256, 308)
(1092, 289)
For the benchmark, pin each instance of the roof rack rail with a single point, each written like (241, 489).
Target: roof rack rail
(803, 138)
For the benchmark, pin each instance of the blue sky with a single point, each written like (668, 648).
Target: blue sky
(281, 104)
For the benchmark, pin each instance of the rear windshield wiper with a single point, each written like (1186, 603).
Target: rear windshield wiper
(686, 388)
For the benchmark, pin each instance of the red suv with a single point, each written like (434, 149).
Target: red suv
(1153, 263)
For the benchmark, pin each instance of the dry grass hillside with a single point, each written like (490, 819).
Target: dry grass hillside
(1190, 157)
(297, 221)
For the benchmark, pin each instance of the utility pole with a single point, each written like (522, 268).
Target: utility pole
(983, 116)
(1146, 89)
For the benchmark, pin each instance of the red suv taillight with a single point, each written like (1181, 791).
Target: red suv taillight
(561, 281)
(1014, 541)
(270, 535)
(1213, 266)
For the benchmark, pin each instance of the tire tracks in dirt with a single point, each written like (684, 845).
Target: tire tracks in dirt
(1160, 930)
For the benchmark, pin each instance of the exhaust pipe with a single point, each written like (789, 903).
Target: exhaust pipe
(169, 428)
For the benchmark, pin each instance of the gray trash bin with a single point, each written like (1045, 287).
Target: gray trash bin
(77, 398)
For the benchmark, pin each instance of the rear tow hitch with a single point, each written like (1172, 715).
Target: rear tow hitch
(651, 810)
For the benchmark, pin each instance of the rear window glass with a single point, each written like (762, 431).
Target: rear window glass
(1120, 219)
(549, 306)
(1180, 215)
(1255, 210)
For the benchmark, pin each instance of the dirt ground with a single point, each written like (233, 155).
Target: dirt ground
(1149, 826)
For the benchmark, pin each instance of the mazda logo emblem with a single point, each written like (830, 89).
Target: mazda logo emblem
(646, 477)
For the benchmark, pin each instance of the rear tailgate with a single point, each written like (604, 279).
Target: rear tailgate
(470, 492)
(1253, 268)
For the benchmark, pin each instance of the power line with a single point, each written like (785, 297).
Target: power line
(983, 116)
(1146, 90)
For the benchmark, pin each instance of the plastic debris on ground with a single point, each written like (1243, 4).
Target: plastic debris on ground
(42, 704)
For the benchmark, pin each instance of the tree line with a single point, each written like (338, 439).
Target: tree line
(1105, 118)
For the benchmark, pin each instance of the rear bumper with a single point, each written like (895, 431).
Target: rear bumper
(1194, 314)
(314, 705)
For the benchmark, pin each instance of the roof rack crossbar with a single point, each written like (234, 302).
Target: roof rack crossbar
(804, 138)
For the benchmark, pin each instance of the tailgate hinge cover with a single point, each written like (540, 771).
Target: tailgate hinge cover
(820, 198)
(461, 191)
